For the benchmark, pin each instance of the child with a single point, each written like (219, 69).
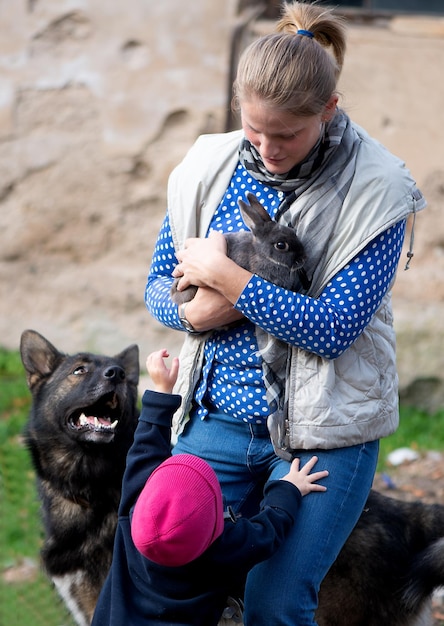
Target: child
(177, 556)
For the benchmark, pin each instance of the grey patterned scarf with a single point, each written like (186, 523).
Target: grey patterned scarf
(315, 191)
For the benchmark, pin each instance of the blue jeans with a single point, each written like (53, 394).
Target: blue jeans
(283, 590)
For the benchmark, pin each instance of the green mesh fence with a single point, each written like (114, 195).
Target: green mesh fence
(26, 595)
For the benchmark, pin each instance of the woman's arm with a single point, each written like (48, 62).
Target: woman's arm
(209, 309)
(327, 325)
(157, 290)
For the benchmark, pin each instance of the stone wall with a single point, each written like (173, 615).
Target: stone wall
(391, 85)
(99, 100)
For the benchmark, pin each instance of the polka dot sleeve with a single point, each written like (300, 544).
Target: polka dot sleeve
(157, 291)
(328, 325)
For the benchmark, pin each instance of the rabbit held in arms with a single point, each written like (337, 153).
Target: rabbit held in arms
(268, 249)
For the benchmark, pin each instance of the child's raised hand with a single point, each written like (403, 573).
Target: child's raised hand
(302, 479)
(162, 376)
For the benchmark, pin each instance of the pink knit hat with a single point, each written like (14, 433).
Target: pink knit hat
(179, 512)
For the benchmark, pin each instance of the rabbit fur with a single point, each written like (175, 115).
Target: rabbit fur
(268, 249)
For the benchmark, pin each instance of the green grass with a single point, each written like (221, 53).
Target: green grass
(26, 596)
(418, 430)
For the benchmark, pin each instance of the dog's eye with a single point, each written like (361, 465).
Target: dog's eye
(282, 246)
(82, 369)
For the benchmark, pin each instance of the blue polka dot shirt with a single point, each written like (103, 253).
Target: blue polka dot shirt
(231, 380)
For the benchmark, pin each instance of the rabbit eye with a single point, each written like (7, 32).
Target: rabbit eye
(282, 246)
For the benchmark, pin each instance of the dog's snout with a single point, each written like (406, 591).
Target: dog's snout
(115, 373)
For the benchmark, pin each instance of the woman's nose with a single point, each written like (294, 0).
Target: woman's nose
(269, 147)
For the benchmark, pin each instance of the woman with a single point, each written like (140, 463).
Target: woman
(332, 383)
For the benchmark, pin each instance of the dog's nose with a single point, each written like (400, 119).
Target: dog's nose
(114, 372)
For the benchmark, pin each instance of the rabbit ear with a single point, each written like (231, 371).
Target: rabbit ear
(254, 213)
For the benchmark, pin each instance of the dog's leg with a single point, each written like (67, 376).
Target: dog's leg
(425, 617)
(75, 594)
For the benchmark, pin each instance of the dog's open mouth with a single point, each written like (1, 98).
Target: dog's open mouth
(97, 421)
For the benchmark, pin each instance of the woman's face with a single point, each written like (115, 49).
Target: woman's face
(282, 139)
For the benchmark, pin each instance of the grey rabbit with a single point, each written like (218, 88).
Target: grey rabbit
(268, 249)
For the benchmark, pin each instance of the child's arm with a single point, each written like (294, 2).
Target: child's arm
(151, 445)
(249, 541)
(152, 439)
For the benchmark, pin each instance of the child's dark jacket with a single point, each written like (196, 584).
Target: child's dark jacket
(137, 591)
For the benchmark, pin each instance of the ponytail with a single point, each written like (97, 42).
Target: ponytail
(296, 69)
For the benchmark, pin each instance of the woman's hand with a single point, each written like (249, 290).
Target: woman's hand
(199, 260)
(209, 309)
(204, 263)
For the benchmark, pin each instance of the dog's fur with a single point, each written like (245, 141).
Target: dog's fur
(384, 575)
(79, 460)
(388, 568)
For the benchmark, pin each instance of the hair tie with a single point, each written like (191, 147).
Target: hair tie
(305, 33)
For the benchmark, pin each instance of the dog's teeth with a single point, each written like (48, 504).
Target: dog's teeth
(82, 420)
(96, 423)
(114, 424)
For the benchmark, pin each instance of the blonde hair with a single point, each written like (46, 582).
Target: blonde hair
(291, 71)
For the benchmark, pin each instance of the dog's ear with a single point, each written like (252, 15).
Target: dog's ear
(131, 365)
(39, 357)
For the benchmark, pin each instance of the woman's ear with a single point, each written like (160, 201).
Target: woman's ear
(330, 108)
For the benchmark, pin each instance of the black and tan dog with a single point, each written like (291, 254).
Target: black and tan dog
(388, 568)
(80, 428)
